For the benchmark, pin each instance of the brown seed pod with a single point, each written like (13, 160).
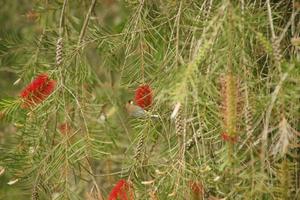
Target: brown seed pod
(59, 51)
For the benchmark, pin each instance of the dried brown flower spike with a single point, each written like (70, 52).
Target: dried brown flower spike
(230, 104)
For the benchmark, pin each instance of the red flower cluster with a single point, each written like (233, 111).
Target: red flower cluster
(143, 96)
(37, 91)
(228, 138)
(122, 191)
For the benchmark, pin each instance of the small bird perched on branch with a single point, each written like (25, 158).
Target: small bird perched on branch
(137, 111)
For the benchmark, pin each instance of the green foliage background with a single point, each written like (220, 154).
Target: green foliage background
(187, 51)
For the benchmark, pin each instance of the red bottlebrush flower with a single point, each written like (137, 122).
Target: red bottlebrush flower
(122, 191)
(143, 96)
(37, 91)
(228, 138)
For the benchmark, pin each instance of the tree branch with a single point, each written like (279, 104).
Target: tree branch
(86, 21)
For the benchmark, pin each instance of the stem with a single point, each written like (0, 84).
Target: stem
(86, 22)
(271, 19)
(61, 21)
(290, 22)
(177, 20)
(264, 134)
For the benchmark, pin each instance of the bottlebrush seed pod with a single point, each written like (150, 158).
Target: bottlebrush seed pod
(59, 51)
(37, 91)
(276, 51)
(139, 148)
(179, 123)
(35, 194)
(143, 96)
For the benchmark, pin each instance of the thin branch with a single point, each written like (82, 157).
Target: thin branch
(271, 19)
(86, 21)
(264, 134)
(288, 25)
(177, 20)
(61, 21)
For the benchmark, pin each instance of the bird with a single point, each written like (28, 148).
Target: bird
(137, 111)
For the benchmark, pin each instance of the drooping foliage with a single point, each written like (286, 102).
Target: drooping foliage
(221, 78)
